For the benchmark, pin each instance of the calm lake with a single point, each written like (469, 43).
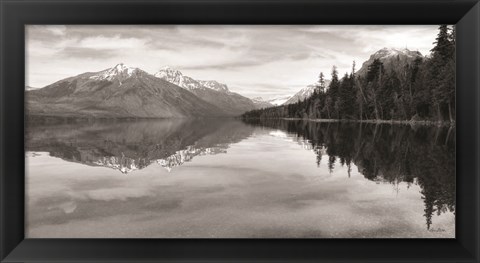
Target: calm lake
(226, 178)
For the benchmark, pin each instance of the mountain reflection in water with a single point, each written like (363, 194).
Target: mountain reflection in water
(129, 145)
(260, 173)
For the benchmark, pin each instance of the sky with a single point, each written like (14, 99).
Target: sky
(265, 61)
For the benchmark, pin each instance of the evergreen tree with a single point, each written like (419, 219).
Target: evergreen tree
(444, 45)
(346, 98)
(441, 75)
(321, 82)
(332, 94)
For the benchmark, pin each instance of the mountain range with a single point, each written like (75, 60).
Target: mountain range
(119, 91)
(123, 91)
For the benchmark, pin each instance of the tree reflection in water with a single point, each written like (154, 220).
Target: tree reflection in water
(422, 155)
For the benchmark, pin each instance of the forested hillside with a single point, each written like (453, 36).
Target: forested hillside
(421, 90)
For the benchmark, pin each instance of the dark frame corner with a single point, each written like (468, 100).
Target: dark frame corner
(14, 14)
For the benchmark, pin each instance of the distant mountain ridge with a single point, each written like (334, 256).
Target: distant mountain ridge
(301, 94)
(261, 103)
(305, 92)
(272, 102)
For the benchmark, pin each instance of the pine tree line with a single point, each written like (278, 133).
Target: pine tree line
(421, 90)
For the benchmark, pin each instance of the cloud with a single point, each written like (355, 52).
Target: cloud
(280, 57)
(115, 42)
(222, 66)
(59, 30)
(91, 53)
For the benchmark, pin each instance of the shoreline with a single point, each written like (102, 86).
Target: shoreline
(404, 122)
(71, 119)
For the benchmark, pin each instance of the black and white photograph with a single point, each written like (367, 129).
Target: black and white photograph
(240, 131)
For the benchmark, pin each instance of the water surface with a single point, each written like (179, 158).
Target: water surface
(227, 178)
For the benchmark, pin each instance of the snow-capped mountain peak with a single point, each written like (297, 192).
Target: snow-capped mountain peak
(306, 92)
(168, 72)
(120, 72)
(176, 77)
(392, 59)
(302, 94)
(215, 85)
(389, 52)
(279, 100)
(271, 102)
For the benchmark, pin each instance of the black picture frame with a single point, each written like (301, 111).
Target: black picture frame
(15, 14)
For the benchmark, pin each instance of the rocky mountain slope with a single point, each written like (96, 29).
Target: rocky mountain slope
(119, 91)
(211, 91)
(392, 59)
